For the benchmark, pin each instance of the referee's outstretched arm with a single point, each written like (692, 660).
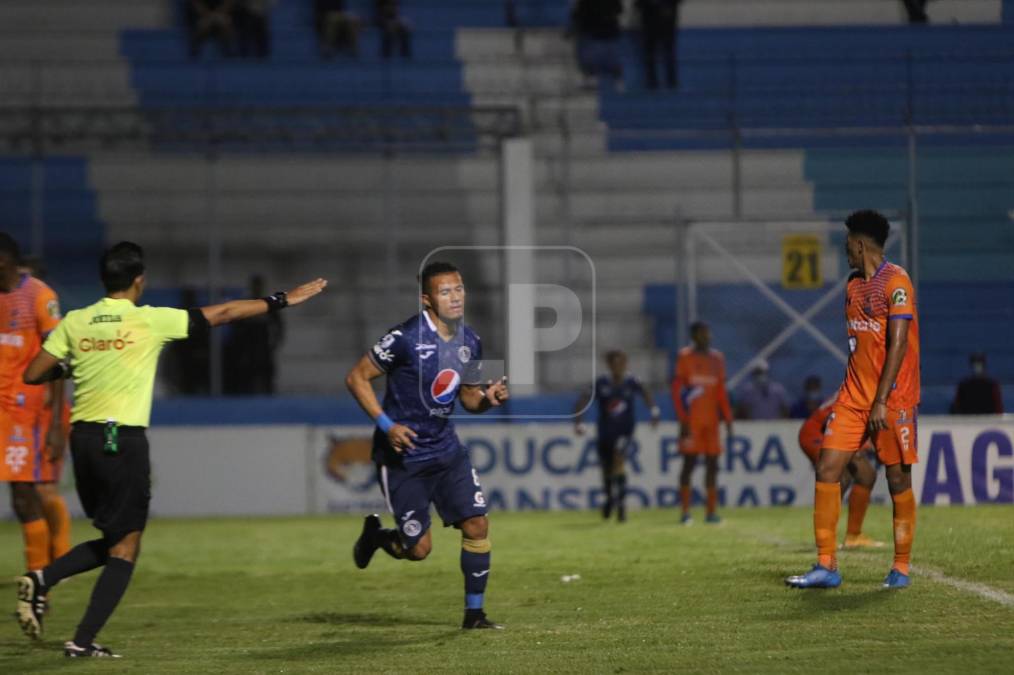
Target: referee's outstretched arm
(46, 367)
(237, 310)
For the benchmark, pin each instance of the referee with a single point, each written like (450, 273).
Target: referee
(112, 348)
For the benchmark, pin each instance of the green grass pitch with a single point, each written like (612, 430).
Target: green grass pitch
(282, 596)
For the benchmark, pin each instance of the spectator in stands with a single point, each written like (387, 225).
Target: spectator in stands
(511, 13)
(249, 352)
(597, 26)
(916, 11)
(211, 19)
(337, 28)
(393, 28)
(811, 399)
(659, 22)
(189, 361)
(978, 394)
(761, 398)
(253, 27)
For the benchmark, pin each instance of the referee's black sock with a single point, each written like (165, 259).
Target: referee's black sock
(81, 558)
(110, 587)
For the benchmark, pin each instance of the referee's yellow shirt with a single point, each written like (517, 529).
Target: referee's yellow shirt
(113, 349)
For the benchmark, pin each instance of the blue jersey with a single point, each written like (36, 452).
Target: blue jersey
(616, 405)
(424, 376)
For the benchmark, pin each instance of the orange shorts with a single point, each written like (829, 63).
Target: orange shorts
(23, 446)
(701, 441)
(846, 430)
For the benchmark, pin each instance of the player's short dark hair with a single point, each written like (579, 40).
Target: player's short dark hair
(870, 223)
(120, 265)
(435, 269)
(9, 246)
(697, 326)
(613, 354)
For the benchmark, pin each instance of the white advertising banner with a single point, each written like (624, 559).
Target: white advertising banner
(546, 466)
(286, 470)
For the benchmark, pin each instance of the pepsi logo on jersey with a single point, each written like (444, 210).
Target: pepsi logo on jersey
(445, 386)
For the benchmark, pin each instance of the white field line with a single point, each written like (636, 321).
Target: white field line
(982, 590)
(972, 587)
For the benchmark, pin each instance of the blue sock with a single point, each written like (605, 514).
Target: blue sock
(475, 558)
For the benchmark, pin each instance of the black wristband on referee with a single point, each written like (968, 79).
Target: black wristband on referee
(277, 301)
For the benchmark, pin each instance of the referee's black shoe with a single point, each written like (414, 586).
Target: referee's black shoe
(73, 651)
(368, 541)
(31, 604)
(476, 619)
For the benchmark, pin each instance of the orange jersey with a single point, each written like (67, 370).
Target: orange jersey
(869, 306)
(27, 314)
(698, 388)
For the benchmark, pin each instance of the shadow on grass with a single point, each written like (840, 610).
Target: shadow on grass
(353, 644)
(35, 657)
(835, 600)
(364, 619)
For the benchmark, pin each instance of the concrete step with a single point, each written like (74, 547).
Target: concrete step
(478, 44)
(77, 17)
(728, 13)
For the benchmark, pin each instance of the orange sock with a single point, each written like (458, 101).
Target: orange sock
(712, 499)
(859, 501)
(36, 534)
(904, 529)
(685, 496)
(58, 518)
(826, 509)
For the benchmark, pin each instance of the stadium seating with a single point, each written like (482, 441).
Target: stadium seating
(613, 172)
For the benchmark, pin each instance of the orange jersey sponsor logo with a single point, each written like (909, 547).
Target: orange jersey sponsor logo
(869, 307)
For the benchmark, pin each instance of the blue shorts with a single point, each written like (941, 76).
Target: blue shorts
(613, 443)
(448, 482)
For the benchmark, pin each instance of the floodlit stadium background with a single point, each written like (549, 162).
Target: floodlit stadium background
(720, 201)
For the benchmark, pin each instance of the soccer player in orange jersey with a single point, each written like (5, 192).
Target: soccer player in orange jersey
(861, 475)
(699, 395)
(33, 439)
(877, 401)
(53, 503)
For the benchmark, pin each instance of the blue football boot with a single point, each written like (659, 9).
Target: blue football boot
(818, 577)
(896, 579)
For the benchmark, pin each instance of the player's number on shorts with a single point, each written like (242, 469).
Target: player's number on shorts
(16, 456)
(478, 498)
(801, 262)
(904, 432)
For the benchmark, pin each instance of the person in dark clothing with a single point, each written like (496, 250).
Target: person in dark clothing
(916, 10)
(249, 352)
(659, 22)
(337, 28)
(978, 394)
(211, 19)
(393, 28)
(252, 24)
(597, 24)
(810, 401)
(188, 362)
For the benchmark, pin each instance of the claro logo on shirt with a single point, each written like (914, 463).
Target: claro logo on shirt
(862, 325)
(119, 343)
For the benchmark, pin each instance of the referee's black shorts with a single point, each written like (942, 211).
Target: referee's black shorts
(115, 489)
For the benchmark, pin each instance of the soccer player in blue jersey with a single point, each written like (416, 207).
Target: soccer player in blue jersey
(430, 361)
(615, 394)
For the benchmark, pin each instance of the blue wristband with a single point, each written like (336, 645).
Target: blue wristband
(384, 422)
